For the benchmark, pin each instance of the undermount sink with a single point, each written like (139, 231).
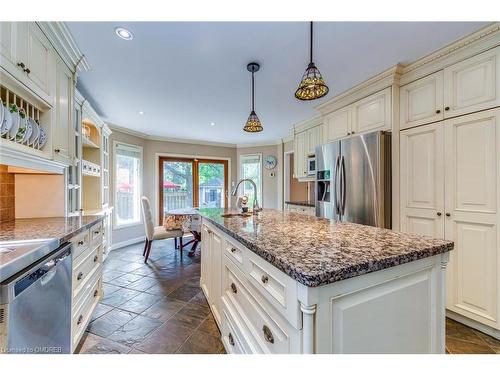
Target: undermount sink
(237, 214)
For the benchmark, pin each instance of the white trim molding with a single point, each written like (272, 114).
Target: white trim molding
(132, 241)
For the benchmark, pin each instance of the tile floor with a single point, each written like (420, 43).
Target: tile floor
(160, 308)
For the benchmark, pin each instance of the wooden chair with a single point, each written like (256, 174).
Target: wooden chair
(155, 233)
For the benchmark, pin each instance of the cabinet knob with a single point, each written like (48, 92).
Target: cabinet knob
(268, 335)
(352, 132)
(21, 65)
(27, 71)
(348, 133)
(446, 108)
(96, 257)
(80, 319)
(448, 214)
(233, 288)
(96, 293)
(231, 339)
(438, 111)
(264, 279)
(80, 276)
(57, 150)
(233, 250)
(80, 243)
(439, 214)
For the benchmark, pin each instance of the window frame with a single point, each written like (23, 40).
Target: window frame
(141, 174)
(261, 182)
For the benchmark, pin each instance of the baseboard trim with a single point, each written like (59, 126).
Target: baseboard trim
(132, 241)
(473, 324)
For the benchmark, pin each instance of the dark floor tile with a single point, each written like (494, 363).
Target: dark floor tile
(201, 343)
(190, 316)
(456, 346)
(143, 284)
(144, 270)
(128, 267)
(199, 299)
(166, 339)
(92, 344)
(209, 327)
(109, 275)
(185, 293)
(100, 310)
(163, 288)
(110, 322)
(109, 288)
(493, 343)
(140, 303)
(135, 331)
(164, 309)
(126, 279)
(138, 258)
(460, 331)
(119, 297)
(136, 351)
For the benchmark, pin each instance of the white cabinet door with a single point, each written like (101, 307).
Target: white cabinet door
(421, 102)
(422, 180)
(338, 124)
(7, 45)
(206, 265)
(216, 277)
(299, 155)
(473, 84)
(39, 59)
(472, 174)
(372, 113)
(314, 138)
(64, 111)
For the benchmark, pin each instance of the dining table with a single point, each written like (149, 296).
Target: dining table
(187, 220)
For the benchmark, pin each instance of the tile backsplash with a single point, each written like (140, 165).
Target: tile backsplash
(7, 194)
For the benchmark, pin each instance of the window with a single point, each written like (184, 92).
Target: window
(128, 170)
(251, 167)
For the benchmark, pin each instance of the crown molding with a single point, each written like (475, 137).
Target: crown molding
(309, 123)
(479, 41)
(362, 90)
(147, 137)
(287, 139)
(65, 45)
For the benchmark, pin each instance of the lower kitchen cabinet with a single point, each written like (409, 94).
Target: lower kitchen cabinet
(302, 209)
(450, 188)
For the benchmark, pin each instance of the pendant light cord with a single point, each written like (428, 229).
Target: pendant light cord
(311, 51)
(252, 93)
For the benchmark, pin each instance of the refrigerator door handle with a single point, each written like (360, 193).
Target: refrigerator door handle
(335, 192)
(343, 185)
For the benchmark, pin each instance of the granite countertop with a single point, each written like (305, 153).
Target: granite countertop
(301, 203)
(316, 251)
(25, 241)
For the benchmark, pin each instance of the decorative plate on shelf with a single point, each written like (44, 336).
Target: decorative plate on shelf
(42, 138)
(16, 120)
(270, 162)
(34, 134)
(7, 121)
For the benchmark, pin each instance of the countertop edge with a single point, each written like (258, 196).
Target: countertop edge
(341, 273)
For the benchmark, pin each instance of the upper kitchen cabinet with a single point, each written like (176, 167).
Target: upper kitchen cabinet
(28, 57)
(372, 113)
(314, 139)
(308, 135)
(422, 101)
(473, 84)
(63, 123)
(338, 124)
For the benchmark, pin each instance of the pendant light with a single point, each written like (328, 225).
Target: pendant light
(253, 124)
(312, 86)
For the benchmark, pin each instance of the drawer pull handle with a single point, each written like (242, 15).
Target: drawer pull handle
(80, 276)
(96, 293)
(233, 288)
(438, 111)
(233, 250)
(439, 214)
(21, 65)
(97, 231)
(80, 243)
(268, 335)
(27, 70)
(446, 108)
(80, 319)
(231, 339)
(264, 279)
(96, 258)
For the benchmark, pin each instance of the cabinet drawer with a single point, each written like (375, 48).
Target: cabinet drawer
(96, 232)
(271, 334)
(84, 269)
(80, 244)
(234, 252)
(229, 337)
(83, 310)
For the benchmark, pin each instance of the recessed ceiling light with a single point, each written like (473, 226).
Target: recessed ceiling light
(124, 33)
(212, 123)
(141, 112)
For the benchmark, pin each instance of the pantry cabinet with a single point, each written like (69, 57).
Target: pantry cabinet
(468, 86)
(363, 116)
(449, 189)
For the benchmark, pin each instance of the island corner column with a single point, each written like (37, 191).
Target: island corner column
(308, 298)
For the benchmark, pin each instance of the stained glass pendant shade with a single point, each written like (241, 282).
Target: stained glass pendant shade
(253, 124)
(312, 86)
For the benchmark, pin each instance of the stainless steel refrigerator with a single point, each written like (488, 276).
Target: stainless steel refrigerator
(353, 180)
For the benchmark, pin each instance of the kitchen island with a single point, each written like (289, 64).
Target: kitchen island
(285, 282)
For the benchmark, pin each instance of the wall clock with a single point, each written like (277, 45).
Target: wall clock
(270, 162)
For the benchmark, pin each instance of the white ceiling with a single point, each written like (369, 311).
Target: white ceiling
(184, 75)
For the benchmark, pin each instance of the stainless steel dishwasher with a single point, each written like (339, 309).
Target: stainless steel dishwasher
(37, 303)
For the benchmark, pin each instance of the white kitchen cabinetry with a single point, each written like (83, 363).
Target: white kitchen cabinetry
(422, 101)
(308, 210)
(363, 116)
(62, 125)
(450, 188)
(468, 86)
(314, 139)
(372, 113)
(305, 143)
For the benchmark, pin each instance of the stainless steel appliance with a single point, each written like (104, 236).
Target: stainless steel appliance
(36, 306)
(353, 180)
(311, 165)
